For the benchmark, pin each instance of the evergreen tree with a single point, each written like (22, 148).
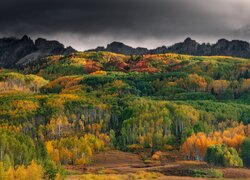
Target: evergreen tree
(245, 152)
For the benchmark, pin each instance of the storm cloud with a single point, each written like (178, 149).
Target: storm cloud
(87, 23)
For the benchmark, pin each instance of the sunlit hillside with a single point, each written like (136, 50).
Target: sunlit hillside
(58, 113)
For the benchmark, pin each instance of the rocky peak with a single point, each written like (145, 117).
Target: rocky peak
(69, 50)
(118, 47)
(188, 46)
(159, 50)
(231, 48)
(52, 46)
(121, 48)
(240, 44)
(15, 51)
(25, 38)
(222, 43)
(141, 50)
(116, 44)
(189, 41)
(12, 49)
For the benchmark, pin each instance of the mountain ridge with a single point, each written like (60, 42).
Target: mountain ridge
(16, 52)
(222, 47)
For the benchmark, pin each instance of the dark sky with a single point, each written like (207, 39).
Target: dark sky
(149, 23)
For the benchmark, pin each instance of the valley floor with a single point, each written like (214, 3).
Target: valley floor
(118, 165)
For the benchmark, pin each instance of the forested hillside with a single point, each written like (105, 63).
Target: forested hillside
(62, 109)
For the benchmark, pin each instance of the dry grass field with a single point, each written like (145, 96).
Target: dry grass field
(118, 165)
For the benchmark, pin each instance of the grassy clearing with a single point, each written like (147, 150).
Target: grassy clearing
(130, 176)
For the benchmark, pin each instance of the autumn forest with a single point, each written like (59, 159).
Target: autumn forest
(59, 112)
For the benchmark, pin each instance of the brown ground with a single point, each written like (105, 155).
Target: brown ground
(178, 178)
(118, 162)
(236, 173)
(115, 158)
(111, 161)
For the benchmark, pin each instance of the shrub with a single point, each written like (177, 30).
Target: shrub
(157, 155)
(206, 173)
(134, 147)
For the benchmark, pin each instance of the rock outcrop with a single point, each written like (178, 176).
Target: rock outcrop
(14, 52)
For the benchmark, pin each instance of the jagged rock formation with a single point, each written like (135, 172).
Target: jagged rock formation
(223, 47)
(15, 51)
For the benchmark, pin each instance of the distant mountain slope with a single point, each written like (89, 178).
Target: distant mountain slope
(101, 63)
(223, 47)
(20, 51)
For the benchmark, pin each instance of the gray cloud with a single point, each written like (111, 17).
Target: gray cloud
(87, 23)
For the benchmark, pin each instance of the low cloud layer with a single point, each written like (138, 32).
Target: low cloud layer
(87, 23)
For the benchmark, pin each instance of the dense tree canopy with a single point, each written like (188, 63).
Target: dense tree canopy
(223, 156)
